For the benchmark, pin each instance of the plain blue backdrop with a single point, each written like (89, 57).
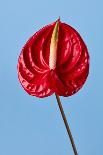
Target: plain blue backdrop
(33, 126)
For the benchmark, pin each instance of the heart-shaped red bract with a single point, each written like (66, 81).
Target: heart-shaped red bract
(72, 63)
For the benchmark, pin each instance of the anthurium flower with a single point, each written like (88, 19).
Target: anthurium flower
(54, 60)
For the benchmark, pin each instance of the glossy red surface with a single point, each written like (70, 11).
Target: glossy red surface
(72, 63)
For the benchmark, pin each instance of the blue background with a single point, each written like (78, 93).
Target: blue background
(33, 126)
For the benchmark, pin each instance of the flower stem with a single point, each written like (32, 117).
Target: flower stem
(66, 124)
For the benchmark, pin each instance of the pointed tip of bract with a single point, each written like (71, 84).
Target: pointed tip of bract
(58, 20)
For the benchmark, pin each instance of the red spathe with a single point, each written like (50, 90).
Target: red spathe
(72, 63)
